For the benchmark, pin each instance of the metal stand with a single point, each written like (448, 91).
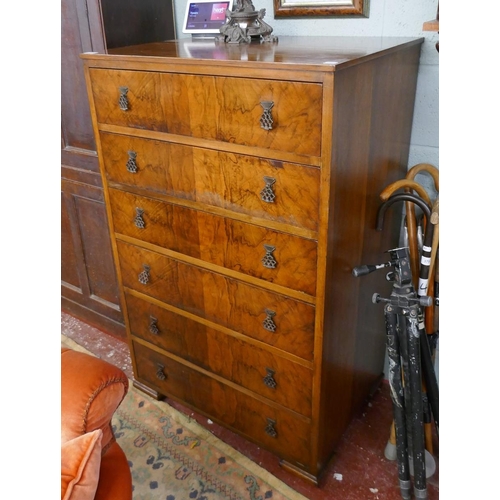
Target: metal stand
(409, 355)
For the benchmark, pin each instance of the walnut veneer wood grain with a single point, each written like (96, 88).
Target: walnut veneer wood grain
(216, 178)
(219, 108)
(343, 110)
(219, 240)
(226, 404)
(226, 301)
(228, 356)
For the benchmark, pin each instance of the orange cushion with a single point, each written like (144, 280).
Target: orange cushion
(80, 465)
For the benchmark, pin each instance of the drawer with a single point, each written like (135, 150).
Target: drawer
(274, 190)
(276, 257)
(256, 369)
(219, 108)
(275, 429)
(270, 317)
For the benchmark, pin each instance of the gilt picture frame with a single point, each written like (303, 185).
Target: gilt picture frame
(321, 8)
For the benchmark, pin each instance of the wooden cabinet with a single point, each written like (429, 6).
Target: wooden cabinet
(241, 184)
(89, 286)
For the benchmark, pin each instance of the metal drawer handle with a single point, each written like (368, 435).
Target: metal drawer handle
(268, 260)
(159, 372)
(139, 221)
(123, 100)
(266, 120)
(268, 323)
(267, 194)
(270, 430)
(131, 163)
(269, 379)
(153, 325)
(144, 275)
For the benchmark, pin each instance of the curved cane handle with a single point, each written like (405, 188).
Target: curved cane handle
(407, 184)
(424, 167)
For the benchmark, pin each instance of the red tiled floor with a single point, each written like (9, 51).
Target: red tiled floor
(357, 471)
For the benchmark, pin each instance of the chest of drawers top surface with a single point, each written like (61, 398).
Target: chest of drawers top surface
(323, 53)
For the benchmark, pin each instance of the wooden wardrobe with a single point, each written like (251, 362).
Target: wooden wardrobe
(89, 288)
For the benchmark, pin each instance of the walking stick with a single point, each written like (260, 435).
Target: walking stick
(429, 314)
(435, 241)
(427, 351)
(434, 173)
(407, 184)
(424, 167)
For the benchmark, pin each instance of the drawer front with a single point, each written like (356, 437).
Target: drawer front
(256, 369)
(219, 108)
(284, 192)
(276, 257)
(277, 430)
(266, 316)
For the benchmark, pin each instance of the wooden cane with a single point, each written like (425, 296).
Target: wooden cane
(435, 240)
(430, 311)
(407, 184)
(424, 167)
(432, 227)
(410, 214)
(410, 210)
(430, 316)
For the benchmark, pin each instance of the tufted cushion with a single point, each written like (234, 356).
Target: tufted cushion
(80, 466)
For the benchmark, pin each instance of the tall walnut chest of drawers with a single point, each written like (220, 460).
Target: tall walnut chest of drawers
(242, 186)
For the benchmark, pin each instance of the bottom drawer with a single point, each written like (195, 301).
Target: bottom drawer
(277, 430)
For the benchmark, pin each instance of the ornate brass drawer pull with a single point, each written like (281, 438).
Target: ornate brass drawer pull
(269, 378)
(144, 275)
(139, 221)
(123, 100)
(266, 120)
(268, 260)
(268, 323)
(270, 430)
(131, 163)
(159, 372)
(267, 194)
(153, 325)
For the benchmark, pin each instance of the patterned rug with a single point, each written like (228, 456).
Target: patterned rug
(172, 457)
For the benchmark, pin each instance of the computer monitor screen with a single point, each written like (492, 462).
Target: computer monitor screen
(204, 16)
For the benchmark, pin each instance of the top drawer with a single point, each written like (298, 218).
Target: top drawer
(225, 109)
